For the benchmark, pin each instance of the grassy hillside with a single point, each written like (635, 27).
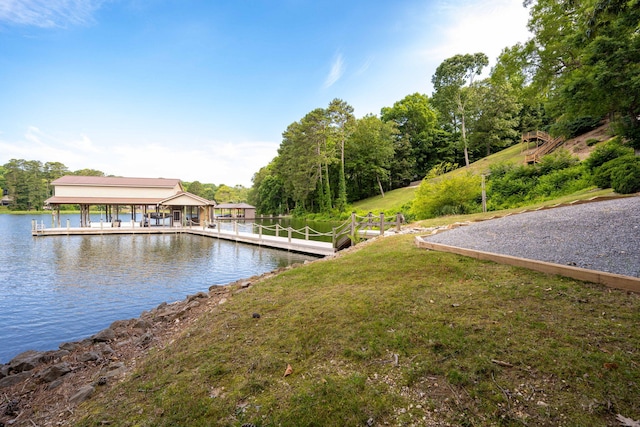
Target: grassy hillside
(394, 200)
(392, 335)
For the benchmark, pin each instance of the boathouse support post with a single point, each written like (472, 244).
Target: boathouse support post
(235, 227)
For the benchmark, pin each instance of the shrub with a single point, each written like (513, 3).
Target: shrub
(603, 175)
(456, 195)
(558, 160)
(606, 152)
(625, 178)
(510, 185)
(560, 182)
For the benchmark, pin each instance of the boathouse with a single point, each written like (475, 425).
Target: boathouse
(235, 211)
(130, 202)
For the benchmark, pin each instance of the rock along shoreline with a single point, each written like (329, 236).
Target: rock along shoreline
(43, 387)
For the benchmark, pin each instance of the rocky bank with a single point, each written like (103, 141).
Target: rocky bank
(42, 388)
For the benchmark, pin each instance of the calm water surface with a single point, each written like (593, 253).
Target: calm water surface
(65, 288)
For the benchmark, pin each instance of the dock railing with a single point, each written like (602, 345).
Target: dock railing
(364, 227)
(347, 233)
(341, 236)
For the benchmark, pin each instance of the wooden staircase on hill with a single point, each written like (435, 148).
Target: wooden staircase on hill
(545, 144)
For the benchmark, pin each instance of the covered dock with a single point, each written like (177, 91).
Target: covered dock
(235, 210)
(129, 202)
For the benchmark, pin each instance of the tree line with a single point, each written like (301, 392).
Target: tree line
(581, 65)
(27, 183)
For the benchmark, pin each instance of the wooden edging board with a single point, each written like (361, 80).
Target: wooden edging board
(611, 280)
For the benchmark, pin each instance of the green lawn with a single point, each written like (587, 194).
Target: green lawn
(393, 335)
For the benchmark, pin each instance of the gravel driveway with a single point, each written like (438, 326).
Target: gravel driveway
(603, 236)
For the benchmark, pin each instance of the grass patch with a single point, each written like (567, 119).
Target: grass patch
(394, 199)
(394, 334)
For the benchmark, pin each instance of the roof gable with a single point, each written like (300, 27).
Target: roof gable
(186, 199)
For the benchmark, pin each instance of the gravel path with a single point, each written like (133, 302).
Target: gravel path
(603, 236)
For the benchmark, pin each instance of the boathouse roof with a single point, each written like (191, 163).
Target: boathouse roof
(110, 190)
(234, 206)
(116, 181)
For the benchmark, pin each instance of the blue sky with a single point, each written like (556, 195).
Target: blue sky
(203, 89)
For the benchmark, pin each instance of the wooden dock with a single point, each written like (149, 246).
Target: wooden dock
(310, 247)
(268, 236)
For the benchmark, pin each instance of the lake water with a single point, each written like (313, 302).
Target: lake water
(66, 288)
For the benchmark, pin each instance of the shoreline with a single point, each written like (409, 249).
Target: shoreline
(44, 386)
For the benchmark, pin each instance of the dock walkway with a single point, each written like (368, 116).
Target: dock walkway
(310, 247)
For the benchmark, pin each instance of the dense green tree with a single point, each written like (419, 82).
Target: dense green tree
(588, 56)
(226, 194)
(196, 188)
(88, 172)
(55, 170)
(26, 184)
(272, 194)
(416, 121)
(497, 122)
(3, 181)
(369, 155)
(454, 91)
(209, 191)
(341, 120)
(267, 193)
(303, 161)
(516, 67)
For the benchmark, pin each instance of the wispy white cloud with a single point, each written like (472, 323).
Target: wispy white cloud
(336, 72)
(365, 66)
(48, 13)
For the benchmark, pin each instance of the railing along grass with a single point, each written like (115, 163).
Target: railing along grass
(393, 334)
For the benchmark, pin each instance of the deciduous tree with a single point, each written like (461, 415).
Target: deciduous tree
(453, 84)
